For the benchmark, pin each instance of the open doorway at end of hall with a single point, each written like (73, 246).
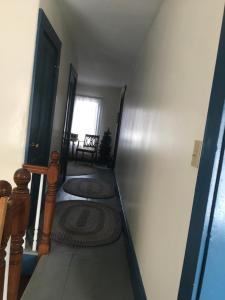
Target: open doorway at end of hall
(84, 130)
(94, 131)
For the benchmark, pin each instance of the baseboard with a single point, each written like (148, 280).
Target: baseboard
(136, 280)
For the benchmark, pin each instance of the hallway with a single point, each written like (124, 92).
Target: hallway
(166, 54)
(95, 273)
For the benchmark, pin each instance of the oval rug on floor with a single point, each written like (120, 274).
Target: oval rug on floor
(78, 169)
(85, 224)
(89, 188)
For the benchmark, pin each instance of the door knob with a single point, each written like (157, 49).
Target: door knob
(35, 146)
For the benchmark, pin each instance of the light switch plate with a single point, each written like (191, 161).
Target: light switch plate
(196, 154)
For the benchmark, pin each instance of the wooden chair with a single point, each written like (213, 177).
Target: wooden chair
(90, 146)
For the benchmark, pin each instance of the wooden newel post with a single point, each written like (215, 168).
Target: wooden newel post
(52, 181)
(20, 214)
(5, 191)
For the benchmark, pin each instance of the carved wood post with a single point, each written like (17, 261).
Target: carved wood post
(52, 180)
(5, 191)
(20, 213)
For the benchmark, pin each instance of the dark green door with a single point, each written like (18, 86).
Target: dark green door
(42, 106)
(45, 77)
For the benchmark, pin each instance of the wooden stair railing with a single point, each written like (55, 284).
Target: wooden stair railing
(5, 194)
(15, 225)
(20, 215)
(14, 215)
(52, 174)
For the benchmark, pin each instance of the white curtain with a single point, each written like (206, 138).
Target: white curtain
(86, 116)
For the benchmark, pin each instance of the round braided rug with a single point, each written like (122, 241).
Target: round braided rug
(85, 224)
(89, 188)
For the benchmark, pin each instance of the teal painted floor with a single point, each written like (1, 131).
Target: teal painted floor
(100, 273)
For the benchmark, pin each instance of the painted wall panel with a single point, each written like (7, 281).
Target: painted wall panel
(165, 111)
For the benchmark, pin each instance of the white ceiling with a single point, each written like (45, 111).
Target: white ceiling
(107, 35)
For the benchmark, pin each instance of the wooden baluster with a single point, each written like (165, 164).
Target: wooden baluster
(50, 200)
(5, 191)
(20, 213)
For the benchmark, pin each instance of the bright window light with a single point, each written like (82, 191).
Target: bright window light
(86, 116)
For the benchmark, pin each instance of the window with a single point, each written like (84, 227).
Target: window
(86, 116)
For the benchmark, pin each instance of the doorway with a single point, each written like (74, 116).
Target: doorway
(203, 269)
(119, 122)
(82, 117)
(44, 86)
(72, 85)
(42, 104)
(87, 111)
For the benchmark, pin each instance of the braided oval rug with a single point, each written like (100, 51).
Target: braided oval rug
(78, 169)
(89, 188)
(85, 224)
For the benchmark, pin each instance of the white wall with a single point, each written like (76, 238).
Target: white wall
(165, 111)
(18, 26)
(53, 11)
(110, 97)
